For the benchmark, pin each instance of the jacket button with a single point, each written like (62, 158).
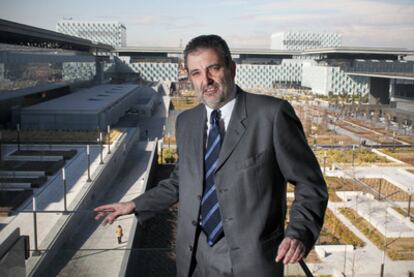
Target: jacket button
(194, 223)
(228, 219)
(190, 247)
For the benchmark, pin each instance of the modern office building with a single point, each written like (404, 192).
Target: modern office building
(38, 65)
(108, 32)
(299, 41)
(381, 73)
(313, 61)
(324, 71)
(335, 70)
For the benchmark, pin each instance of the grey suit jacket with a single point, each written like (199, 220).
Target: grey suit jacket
(263, 148)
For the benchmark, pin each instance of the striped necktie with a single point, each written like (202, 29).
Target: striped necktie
(210, 211)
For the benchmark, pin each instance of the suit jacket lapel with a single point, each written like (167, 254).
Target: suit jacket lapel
(198, 132)
(235, 130)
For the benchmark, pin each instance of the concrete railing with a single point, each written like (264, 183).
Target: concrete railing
(101, 179)
(135, 230)
(12, 255)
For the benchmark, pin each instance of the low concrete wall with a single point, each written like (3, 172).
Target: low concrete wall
(350, 134)
(9, 173)
(324, 250)
(33, 158)
(12, 255)
(404, 219)
(101, 180)
(127, 269)
(388, 157)
(15, 185)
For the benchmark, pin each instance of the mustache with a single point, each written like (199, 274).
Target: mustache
(210, 86)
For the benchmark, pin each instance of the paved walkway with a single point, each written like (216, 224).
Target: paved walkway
(397, 175)
(379, 213)
(365, 261)
(93, 249)
(90, 235)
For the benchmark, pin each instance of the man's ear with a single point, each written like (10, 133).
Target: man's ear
(233, 69)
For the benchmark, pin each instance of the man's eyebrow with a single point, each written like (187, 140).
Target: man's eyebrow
(208, 67)
(193, 70)
(214, 64)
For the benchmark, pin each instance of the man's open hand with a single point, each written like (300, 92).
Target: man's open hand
(113, 211)
(290, 251)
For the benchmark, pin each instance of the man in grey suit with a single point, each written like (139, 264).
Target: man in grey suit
(237, 151)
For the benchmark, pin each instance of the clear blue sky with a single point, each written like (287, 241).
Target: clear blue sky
(242, 23)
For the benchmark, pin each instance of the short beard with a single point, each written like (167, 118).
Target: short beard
(221, 101)
(214, 105)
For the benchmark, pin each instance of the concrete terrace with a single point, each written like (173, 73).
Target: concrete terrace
(93, 249)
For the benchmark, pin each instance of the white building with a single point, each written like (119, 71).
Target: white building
(108, 32)
(299, 41)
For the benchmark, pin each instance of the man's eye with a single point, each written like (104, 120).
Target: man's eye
(193, 74)
(215, 69)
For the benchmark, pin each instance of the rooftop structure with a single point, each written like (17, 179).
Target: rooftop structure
(304, 40)
(20, 34)
(86, 109)
(108, 32)
(380, 53)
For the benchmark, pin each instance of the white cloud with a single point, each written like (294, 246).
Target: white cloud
(337, 12)
(360, 22)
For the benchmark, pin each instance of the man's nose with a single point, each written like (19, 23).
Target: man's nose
(207, 77)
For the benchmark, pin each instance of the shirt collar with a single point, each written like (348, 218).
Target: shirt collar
(225, 110)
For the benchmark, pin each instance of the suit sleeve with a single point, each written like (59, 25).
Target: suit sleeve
(300, 167)
(160, 197)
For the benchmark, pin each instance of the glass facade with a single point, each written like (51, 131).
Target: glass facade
(23, 66)
(304, 40)
(108, 32)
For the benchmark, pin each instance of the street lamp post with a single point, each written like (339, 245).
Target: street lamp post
(393, 141)
(64, 190)
(353, 155)
(410, 191)
(353, 259)
(385, 245)
(109, 138)
(89, 163)
(379, 189)
(100, 147)
(345, 260)
(18, 137)
(36, 251)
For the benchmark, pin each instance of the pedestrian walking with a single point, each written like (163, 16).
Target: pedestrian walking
(119, 233)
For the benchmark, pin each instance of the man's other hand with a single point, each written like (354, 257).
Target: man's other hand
(290, 251)
(113, 211)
